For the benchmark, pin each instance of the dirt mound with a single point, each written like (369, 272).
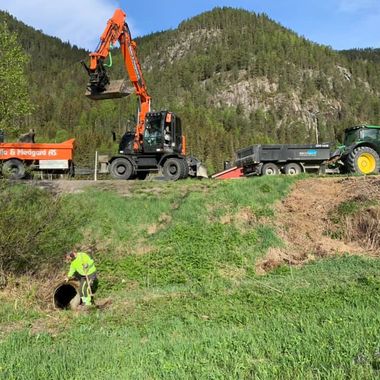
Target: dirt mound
(365, 227)
(303, 221)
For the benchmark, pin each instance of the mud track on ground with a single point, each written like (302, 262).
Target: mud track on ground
(303, 220)
(154, 186)
(124, 188)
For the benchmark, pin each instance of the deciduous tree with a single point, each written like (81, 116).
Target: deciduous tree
(14, 98)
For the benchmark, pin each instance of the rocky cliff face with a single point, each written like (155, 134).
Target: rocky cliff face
(239, 60)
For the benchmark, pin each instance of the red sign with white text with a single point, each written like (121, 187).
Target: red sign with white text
(30, 151)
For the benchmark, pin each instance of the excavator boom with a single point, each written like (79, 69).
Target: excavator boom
(157, 144)
(100, 87)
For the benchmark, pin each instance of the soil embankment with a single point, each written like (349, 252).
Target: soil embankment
(312, 223)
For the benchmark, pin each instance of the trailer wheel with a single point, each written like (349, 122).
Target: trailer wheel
(293, 169)
(270, 169)
(13, 169)
(121, 168)
(363, 160)
(173, 169)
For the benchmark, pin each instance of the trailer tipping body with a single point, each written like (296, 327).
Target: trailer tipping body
(287, 158)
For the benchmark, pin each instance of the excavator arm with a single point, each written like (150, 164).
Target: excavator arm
(100, 86)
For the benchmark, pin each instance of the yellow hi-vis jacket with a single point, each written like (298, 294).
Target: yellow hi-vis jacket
(83, 264)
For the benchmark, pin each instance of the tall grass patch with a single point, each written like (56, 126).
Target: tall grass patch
(36, 228)
(358, 220)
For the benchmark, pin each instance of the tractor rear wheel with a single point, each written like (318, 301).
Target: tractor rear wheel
(270, 169)
(13, 169)
(363, 160)
(122, 168)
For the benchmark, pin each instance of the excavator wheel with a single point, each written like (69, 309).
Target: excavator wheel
(173, 169)
(185, 169)
(122, 168)
(363, 160)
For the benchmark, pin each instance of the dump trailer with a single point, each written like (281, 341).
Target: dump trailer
(360, 154)
(283, 158)
(17, 159)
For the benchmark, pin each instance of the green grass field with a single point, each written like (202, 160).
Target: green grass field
(178, 261)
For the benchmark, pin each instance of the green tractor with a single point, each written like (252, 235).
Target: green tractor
(361, 150)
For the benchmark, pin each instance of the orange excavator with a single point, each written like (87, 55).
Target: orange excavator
(157, 144)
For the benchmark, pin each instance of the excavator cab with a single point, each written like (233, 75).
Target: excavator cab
(163, 133)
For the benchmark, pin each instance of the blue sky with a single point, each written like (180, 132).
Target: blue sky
(341, 24)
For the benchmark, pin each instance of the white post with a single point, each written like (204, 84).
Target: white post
(316, 133)
(96, 167)
(316, 127)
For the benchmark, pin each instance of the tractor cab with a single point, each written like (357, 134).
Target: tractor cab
(363, 134)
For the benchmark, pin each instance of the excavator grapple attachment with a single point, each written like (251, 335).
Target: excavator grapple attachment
(114, 90)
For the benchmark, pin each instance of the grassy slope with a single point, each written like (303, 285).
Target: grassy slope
(188, 305)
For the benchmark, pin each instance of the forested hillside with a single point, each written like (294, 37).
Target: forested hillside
(372, 55)
(234, 77)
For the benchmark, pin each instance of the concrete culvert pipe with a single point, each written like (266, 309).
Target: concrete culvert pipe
(66, 296)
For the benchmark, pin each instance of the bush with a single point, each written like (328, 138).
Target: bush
(36, 227)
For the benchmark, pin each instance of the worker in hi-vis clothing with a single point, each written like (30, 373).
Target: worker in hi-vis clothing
(82, 268)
